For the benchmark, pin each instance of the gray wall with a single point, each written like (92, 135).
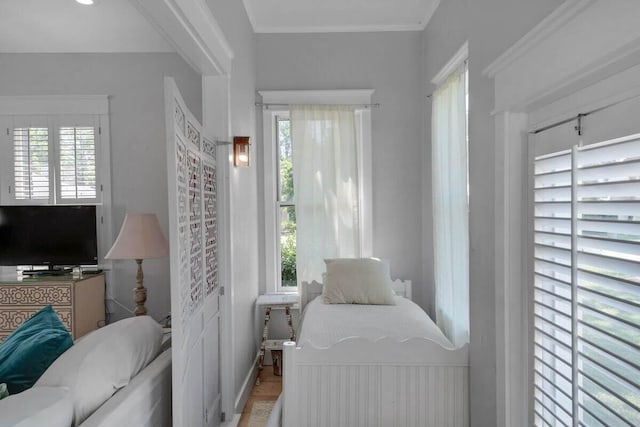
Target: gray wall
(491, 26)
(135, 84)
(389, 63)
(232, 18)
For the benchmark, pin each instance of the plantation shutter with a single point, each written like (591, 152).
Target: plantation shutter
(77, 166)
(553, 331)
(587, 285)
(31, 172)
(608, 282)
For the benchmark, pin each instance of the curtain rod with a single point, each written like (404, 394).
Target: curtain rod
(267, 106)
(579, 117)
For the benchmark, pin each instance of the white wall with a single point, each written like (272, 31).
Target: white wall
(491, 26)
(389, 63)
(138, 152)
(233, 20)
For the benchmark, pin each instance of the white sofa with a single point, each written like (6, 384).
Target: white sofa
(116, 376)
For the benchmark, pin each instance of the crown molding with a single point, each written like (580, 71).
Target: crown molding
(557, 19)
(431, 10)
(250, 14)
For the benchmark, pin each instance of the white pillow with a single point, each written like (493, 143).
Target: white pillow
(37, 407)
(357, 281)
(104, 361)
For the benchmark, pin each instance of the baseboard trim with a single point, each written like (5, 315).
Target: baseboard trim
(233, 422)
(247, 385)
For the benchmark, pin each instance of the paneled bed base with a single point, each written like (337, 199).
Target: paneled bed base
(324, 387)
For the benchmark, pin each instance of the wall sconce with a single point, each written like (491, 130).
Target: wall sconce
(241, 146)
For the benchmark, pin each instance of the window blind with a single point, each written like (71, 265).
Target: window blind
(77, 163)
(553, 326)
(608, 282)
(31, 163)
(587, 285)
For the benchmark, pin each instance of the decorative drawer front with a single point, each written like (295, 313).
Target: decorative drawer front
(12, 317)
(36, 294)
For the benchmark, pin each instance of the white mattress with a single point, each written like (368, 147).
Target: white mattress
(326, 324)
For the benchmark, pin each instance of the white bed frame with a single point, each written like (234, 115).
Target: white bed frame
(357, 382)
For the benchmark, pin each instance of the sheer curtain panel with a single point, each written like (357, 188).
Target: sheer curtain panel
(450, 207)
(325, 178)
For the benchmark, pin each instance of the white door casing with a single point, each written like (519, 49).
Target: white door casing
(195, 299)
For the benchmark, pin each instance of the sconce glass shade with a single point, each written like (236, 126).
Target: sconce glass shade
(241, 150)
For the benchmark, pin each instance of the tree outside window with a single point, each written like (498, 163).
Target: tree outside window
(286, 205)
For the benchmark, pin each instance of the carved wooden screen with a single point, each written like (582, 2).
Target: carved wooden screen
(192, 187)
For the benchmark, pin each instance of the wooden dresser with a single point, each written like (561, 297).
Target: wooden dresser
(79, 301)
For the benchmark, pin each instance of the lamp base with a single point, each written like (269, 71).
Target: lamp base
(140, 292)
(140, 297)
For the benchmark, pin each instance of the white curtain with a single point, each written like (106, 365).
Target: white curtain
(450, 207)
(325, 182)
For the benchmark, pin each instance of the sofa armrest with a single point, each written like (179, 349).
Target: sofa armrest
(145, 401)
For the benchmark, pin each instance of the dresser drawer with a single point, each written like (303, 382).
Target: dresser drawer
(78, 301)
(34, 294)
(12, 317)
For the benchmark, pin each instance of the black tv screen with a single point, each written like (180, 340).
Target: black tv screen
(48, 235)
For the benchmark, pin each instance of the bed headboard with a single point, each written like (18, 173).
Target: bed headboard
(310, 290)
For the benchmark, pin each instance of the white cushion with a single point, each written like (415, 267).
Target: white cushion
(357, 281)
(37, 407)
(104, 361)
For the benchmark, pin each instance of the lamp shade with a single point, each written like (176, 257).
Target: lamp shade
(140, 238)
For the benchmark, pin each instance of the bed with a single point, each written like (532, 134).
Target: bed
(364, 365)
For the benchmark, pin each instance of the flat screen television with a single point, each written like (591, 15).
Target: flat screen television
(48, 235)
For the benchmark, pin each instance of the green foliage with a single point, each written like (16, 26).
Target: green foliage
(286, 179)
(284, 138)
(288, 219)
(288, 255)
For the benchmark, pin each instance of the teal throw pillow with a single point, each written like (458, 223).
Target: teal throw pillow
(30, 349)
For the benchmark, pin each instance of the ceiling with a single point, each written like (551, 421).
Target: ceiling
(66, 26)
(117, 26)
(319, 16)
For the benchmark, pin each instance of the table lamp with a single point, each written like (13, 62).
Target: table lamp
(140, 238)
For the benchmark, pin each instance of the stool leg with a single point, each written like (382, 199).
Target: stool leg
(265, 335)
(292, 334)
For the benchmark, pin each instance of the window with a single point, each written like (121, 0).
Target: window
(587, 285)
(77, 170)
(55, 162)
(31, 163)
(279, 195)
(450, 197)
(285, 206)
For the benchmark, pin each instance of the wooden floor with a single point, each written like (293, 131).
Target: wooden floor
(269, 389)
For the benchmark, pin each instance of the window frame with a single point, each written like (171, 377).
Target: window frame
(280, 204)
(56, 111)
(281, 101)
